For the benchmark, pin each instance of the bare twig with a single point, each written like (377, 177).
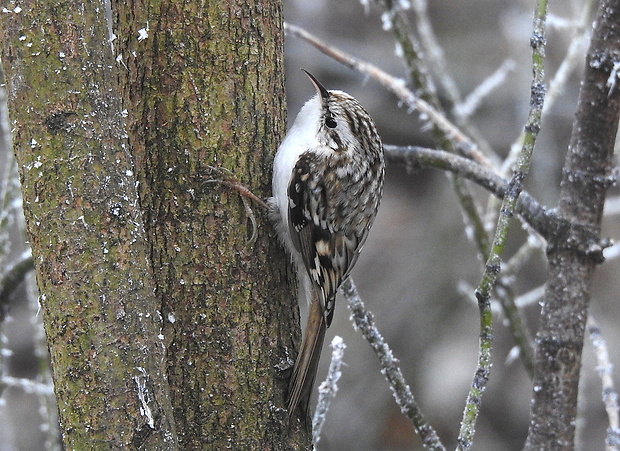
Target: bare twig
(610, 396)
(395, 19)
(27, 385)
(533, 296)
(573, 57)
(557, 83)
(468, 106)
(364, 321)
(433, 51)
(534, 213)
(424, 88)
(508, 208)
(328, 388)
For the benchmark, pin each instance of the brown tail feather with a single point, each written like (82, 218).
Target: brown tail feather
(304, 372)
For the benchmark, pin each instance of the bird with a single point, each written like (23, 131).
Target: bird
(327, 184)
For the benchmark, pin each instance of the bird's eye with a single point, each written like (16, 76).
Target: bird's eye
(330, 122)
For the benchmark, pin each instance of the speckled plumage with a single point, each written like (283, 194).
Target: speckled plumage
(327, 183)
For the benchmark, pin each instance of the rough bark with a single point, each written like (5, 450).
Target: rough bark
(167, 327)
(571, 262)
(205, 89)
(85, 229)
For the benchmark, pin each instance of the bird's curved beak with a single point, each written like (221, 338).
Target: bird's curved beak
(324, 93)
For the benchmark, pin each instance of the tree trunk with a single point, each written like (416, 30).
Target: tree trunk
(85, 229)
(167, 327)
(573, 255)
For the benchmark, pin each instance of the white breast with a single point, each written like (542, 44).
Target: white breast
(299, 139)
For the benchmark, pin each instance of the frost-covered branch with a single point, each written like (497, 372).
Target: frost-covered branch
(27, 385)
(364, 321)
(395, 19)
(468, 106)
(610, 396)
(508, 208)
(544, 221)
(433, 52)
(573, 57)
(328, 388)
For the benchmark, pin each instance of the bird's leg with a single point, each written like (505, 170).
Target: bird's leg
(232, 182)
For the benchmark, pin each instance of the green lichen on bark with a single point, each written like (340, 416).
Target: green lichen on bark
(212, 96)
(85, 229)
(154, 299)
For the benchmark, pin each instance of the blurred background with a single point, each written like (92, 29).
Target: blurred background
(419, 268)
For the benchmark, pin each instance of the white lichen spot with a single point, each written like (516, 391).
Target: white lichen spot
(160, 336)
(366, 5)
(33, 143)
(61, 54)
(144, 397)
(129, 173)
(398, 50)
(143, 33)
(386, 20)
(17, 9)
(124, 113)
(22, 38)
(171, 318)
(404, 5)
(613, 77)
(182, 281)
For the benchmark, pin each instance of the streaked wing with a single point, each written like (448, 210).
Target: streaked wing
(328, 251)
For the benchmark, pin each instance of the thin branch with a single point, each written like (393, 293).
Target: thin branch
(546, 222)
(533, 296)
(517, 325)
(394, 19)
(468, 106)
(573, 57)
(509, 207)
(531, 210)
(424, 88)
(328, 388)
(557, 83)
(433, 51)
(364, 321)
(12, 277)
(27, 385)
(610, 396)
